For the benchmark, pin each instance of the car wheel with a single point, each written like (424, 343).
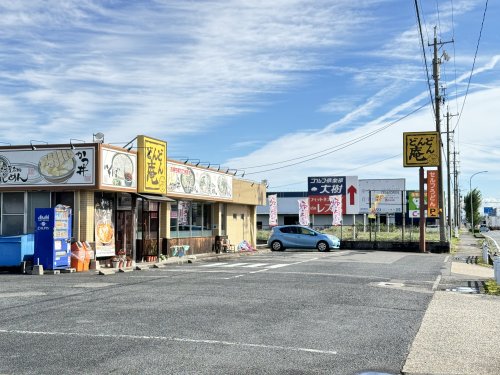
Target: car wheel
(322, 246)
(277, 246)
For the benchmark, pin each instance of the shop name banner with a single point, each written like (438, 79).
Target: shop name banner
(421, 149)
(273, 209)
(189, 180)
(152, 159)
(47, 167)
(432, 194)
(303, 211)
(118, 169)
(336, 208)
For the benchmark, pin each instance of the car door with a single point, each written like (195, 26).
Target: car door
(287, 236)
(305, 238)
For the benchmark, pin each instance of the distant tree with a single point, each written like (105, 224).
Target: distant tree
(476, 204)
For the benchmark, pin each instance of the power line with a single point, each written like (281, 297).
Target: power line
(473, 65)
(346, 172)
(425, 57)
(333, 149)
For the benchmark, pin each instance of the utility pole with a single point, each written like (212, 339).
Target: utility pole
(436, 62)
(455, 184)
(448, 160)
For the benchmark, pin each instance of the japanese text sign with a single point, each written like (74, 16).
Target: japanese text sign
(326, 185)
(432, 194)
(273, 209)
(336, 208)
(421, 149)
(303, 211)
(152, 165)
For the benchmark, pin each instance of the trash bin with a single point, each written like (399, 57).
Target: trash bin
(89, 255)
(78, 256)
(16, 249)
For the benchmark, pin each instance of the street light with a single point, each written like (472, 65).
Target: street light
(471, 208)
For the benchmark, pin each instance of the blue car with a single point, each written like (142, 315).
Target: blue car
(300, 237)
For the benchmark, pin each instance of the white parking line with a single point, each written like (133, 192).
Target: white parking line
(255, 265)
(166, 338)
(278, 265)
(234, 265)
(213, 265)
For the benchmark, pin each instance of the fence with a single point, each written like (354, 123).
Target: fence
(372, 232)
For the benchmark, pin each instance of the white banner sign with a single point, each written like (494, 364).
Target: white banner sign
(303, 211)
(336, 208)
(47, 166)
(189, 180)
(273, 209)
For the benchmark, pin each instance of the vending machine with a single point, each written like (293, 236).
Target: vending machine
(53, 237)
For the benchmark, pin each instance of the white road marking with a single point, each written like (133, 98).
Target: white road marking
(278, 265)
(255, 265)
(446, 259)
(436, 283)
(234, 265)
(175, 339)
(213, 265)
(21, 294)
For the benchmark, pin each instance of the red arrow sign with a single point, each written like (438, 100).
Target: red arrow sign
(352, 191)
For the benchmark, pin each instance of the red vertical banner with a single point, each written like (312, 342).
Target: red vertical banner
(432, 194)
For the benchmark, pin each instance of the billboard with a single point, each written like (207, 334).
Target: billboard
(202, 182)
(47, 166)
(393, 195)
(421, 149)
(320, 189)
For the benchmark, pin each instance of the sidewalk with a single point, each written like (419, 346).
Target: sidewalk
(460, 332)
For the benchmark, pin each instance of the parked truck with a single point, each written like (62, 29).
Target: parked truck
(493, 222)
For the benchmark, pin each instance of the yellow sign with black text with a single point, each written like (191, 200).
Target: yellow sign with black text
(421, 149)
(151, 165)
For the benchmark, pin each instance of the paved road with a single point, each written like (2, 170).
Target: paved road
(296, 312)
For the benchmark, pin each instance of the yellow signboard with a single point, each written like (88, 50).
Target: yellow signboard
(421, 149)
(151, 165)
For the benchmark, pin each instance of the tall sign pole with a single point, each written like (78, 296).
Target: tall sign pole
(422, 209)
(421, 149)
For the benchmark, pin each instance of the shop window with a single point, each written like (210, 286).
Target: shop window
(12, 214)
(191, 219)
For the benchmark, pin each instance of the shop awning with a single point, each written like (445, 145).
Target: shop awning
(157, 198)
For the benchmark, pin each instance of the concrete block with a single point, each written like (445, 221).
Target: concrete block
(52, 272)
(37, 270)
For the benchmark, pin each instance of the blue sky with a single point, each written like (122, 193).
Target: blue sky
(280, 89)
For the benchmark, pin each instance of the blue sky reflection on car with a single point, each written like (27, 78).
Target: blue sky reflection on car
(300, 237)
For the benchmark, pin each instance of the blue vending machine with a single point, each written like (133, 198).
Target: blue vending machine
(53, 237)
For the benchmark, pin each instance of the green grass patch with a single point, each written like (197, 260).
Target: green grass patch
(491, 287)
